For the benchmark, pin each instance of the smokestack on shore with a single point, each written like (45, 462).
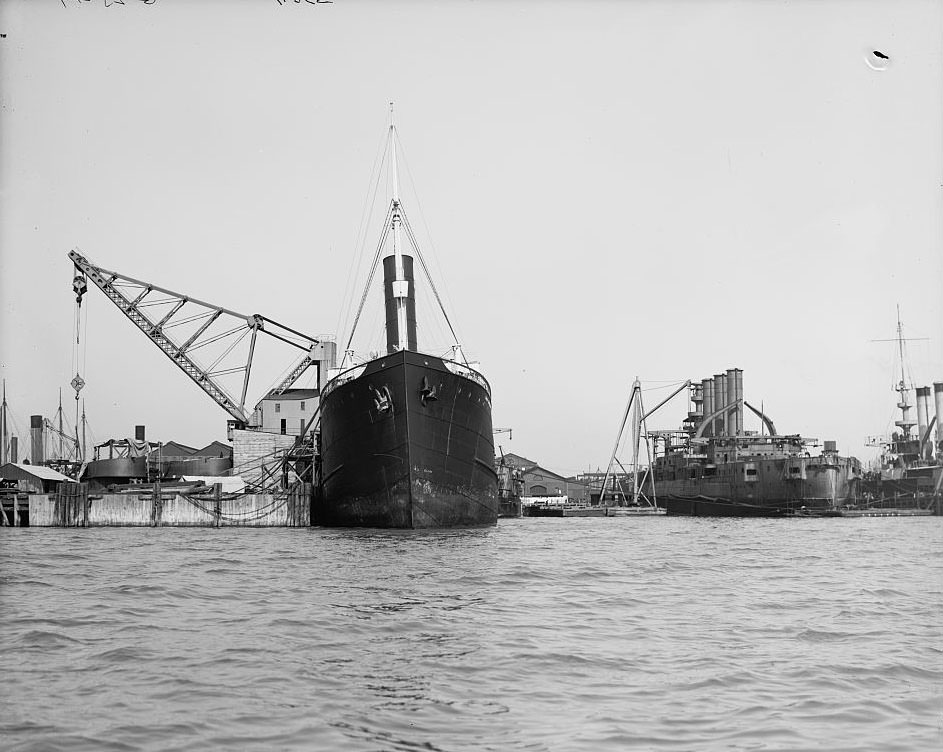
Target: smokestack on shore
(37, 451)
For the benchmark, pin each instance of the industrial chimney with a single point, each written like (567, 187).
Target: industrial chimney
(37, 446)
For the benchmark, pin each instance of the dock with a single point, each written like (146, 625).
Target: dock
(183, 506)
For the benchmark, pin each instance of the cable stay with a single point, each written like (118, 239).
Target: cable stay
(395, 219)
(639, 428)
(200, 338)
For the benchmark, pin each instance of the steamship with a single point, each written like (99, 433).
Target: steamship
(713, 467)
(910, 468)
(406, 438)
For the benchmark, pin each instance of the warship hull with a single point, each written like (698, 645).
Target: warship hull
(782, 484)
(406, 442)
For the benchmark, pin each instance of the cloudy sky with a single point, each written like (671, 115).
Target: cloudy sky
(605, 190)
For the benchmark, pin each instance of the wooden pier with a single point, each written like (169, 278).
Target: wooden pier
(73, 506)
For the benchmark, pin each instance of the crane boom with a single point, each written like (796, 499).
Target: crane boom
(171, 314)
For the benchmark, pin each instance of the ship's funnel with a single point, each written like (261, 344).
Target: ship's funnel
(720, 400)
(395, 292)
(14, 450)
(735, 393)
(923, 418)
(938, 403)
(707, 394)
(37, 446)
(707, 402)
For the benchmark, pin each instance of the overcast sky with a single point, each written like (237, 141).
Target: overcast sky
(606, 190)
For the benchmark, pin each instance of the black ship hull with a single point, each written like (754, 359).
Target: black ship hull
(705, 506)
(406, 442)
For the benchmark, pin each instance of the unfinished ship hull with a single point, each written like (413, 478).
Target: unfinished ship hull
(406, 442)
(785, 484)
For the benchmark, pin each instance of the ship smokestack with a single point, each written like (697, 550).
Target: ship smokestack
(139, 432)
(734, 385)
(938, 400)
(707, 393)
(396, 290)
(14, 449)
(720, 400)
(923, 417)
(37, 450)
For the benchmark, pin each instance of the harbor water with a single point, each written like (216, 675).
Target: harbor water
(539, 634)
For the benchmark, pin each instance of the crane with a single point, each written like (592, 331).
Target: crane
(180, 325)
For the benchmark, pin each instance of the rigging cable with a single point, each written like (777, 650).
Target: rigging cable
(361, 240)
(425, 269)
(376, 257)
(422, 216)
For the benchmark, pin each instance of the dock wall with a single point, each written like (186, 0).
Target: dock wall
(73, 507)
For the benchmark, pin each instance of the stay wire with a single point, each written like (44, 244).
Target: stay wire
(422, 217)
(362, 230)
(425, 269)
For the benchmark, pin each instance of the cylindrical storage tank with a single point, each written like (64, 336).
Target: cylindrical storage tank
(37, 447)
(923, 415)
(720, 400)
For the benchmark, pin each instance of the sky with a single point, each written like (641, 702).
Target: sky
(605, 191)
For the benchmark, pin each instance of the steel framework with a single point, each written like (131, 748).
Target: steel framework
(200, 321)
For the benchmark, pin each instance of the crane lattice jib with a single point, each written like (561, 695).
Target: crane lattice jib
(179, 352)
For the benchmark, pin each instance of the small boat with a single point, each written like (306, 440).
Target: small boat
(406, 438)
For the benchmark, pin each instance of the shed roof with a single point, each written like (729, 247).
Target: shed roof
(19, 471)
(290, 395)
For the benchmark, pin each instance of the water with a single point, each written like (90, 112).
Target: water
(540, 634)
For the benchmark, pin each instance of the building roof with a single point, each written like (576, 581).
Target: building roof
(542, 472)
(215, 449)
(290, 395)
(17, 471)
(172, 449)
(517, 461)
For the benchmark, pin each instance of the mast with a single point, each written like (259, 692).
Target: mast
(59, 415)
(905, 423)
(398, 273)
(3, 426)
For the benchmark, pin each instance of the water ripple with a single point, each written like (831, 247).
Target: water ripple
(590, 634)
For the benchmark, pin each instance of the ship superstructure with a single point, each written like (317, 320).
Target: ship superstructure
(713, 465)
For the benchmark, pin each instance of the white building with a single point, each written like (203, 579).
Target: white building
(286, 413)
